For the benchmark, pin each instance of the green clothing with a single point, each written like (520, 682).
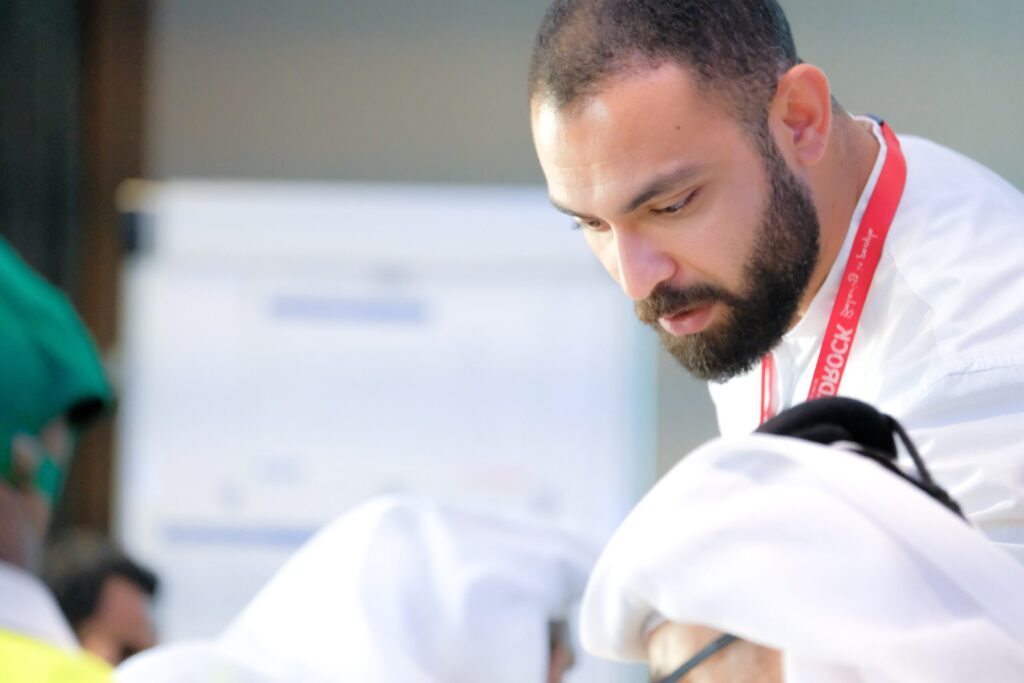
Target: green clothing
(26, 660)
(49, 366)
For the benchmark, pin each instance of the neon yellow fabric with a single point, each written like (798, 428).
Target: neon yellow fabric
(24, 660)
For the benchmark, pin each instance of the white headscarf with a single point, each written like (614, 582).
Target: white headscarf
(850, 571)
(397, 591)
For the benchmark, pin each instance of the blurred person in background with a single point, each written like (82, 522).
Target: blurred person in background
(104, 595)
(805, 554)
(400, 590)
(52, 386)
(782, 248)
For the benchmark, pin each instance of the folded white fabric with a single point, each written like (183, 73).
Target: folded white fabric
(397, 591)
(854, 574)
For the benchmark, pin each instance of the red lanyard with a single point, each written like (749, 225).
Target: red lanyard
(860, 270)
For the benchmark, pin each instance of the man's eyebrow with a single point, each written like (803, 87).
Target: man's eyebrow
(661, 184)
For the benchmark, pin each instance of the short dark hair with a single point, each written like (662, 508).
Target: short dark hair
(77, 565)
(79, 594)
(737, 49)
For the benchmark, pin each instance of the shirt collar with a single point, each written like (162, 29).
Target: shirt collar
(817, 315)
(28, 608)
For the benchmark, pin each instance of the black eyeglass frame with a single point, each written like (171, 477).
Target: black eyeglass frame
(708, 651)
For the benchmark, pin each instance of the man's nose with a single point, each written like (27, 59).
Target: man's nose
(641, 263)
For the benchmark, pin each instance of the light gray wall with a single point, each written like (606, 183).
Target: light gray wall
(421, 90)
(433, 90)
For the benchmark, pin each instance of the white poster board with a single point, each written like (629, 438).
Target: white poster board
(290, 351)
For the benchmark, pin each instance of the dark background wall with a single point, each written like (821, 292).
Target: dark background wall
(71, 103)
(40, 134)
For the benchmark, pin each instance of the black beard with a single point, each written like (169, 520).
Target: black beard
(785, 254)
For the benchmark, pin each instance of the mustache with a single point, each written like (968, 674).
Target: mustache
(666, 300)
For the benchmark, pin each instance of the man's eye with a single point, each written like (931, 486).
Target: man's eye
(678, 206)
(585, 224)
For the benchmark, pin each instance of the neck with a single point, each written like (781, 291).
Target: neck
(836, 187)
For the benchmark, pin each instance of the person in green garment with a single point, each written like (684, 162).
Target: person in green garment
(52, 386)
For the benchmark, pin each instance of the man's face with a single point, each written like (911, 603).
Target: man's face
(714, 239)
(671, 645)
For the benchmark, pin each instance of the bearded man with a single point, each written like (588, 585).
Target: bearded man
(782, 248)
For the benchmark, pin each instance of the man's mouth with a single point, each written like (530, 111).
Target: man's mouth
(687, 321)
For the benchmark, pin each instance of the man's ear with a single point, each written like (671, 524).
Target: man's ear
(800, 115)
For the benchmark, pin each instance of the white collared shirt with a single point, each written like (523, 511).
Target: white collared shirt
(28, 608)
(940, 345)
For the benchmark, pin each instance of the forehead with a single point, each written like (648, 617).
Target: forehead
(653, 117)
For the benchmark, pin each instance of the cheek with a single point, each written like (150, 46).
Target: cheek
(749, 207)
(723, 244)
(731, 216)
